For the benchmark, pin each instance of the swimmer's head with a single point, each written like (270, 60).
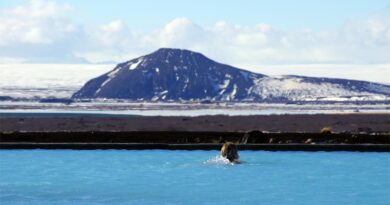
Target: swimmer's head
(229, 151)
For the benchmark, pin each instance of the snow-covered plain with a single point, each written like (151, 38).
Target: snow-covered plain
(46, 80)
(179, 109)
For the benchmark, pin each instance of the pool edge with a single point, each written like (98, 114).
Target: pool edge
(200, 146)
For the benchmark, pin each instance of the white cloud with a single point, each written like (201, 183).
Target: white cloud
(41, 31)
(37, 31)
(178, 32)
(37, 22)
(113, 41)
(34, 35)
(366, 41)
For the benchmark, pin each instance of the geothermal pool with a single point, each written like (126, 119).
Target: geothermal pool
(192, 177)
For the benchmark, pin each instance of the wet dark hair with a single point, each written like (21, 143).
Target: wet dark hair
(230, 151)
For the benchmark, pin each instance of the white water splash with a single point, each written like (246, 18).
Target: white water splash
(218, 160)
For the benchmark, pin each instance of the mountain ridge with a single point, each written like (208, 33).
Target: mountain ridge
(183, 75)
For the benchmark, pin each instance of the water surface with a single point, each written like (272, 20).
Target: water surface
(192, 177)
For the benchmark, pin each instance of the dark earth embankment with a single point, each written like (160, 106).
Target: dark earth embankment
(353, 132)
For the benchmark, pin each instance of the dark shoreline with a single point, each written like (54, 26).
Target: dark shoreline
(350, 132)
(254, 140)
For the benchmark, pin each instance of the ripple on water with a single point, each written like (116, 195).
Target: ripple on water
(192, 177)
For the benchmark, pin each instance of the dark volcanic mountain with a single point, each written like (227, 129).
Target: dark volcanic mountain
(171, 74)
(176, 75)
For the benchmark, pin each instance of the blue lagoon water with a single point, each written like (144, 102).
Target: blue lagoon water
(192, 177)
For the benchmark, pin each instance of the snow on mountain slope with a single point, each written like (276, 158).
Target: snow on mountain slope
(296, 88)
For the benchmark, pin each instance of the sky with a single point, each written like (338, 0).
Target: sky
(147, 15)
(251, 34)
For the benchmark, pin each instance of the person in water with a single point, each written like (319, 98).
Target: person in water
(230, 152)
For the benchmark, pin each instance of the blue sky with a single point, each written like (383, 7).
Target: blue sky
(147, 15)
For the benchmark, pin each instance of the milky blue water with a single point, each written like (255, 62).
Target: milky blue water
(187, 177)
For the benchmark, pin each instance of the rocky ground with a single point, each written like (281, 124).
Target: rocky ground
(355, 123)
